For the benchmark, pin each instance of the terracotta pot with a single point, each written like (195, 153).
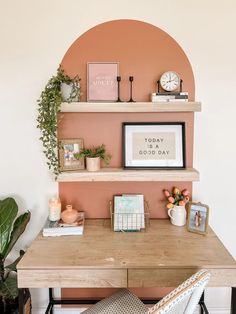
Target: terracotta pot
(69, 215)
(93, 164)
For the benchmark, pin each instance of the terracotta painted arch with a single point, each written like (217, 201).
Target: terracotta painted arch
(145, 52)
(142, 50)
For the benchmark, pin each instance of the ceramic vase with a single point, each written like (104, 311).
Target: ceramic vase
(93, 164)
(66, 90)
(69, 215)
(177, 215)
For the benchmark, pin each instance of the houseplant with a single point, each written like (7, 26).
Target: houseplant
(11, 227)
(49, 105)
(93, 156)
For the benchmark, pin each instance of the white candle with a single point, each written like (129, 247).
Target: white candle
(54, 205)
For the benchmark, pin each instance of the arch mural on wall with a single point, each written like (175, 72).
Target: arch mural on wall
(145, 52)
(142, 50)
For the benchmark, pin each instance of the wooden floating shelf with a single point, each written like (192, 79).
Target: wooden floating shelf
(131, 107)
(119, 174)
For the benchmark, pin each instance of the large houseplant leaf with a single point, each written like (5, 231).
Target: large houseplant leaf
(8, 288)
(18, 228)
(8, 212)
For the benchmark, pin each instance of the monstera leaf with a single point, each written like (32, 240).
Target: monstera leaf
(10, 231)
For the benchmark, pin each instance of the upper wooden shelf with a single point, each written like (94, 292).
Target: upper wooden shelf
(119, 174)
(131, 107)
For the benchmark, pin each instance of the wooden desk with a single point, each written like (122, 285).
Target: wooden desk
(163, 256)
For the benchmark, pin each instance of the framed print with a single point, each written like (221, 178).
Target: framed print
(198, 215)
(153, 145)
(102, 81)
(70, 147)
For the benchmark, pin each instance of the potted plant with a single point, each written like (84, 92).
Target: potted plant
(11, 228)
(93, 156)
(49, 106)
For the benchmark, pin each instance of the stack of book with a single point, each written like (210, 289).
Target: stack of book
(59, 228)
(171, 97)
(129, 212)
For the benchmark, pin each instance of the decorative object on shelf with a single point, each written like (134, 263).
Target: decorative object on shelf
(54, 205)
(170, 81)
(94, 156)
(170, 97)
(60, 228)
(131, 79)
(67, 151)
(49, 106)
(102, 81)
(198, 215)
(11, 230)
(69, 215)
(154, 145)
(176, 205)
(118, 88)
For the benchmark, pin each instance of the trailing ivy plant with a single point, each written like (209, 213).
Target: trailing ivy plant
(49, 106)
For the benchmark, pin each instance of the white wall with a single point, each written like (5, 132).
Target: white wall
(34, 37)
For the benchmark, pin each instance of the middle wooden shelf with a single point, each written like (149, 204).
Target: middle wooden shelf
(119, 174)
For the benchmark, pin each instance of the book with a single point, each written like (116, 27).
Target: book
(158, 97)
(129, 212)
(59, 228)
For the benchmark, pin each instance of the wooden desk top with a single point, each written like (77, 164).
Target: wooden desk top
(161, 246)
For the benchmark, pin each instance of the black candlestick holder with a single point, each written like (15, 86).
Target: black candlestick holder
(118, 78)
(131, 78)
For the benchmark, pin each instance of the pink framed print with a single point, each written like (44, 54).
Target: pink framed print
(102, 81)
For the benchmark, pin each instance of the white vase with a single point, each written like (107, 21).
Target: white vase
(66, 92)
(177, 215)
(93, 163)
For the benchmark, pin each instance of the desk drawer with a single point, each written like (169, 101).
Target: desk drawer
(158, 277)
(173, 277)
(78, 278)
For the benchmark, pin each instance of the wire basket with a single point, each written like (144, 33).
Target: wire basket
(130, 222)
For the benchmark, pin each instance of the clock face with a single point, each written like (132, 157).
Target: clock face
(170, 81)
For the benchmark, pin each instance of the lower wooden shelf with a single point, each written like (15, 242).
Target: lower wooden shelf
(119, 174)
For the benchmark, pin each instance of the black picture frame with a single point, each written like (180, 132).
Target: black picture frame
(164, 135)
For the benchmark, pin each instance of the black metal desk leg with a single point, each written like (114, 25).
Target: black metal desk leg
(21, 301)
(233, 300)
(203, 308)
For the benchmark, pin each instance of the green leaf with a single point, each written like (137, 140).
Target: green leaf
(8, 212)
(18, 228)
(8, 288)
(12, 266)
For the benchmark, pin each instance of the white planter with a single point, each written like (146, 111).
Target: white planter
(177, 215)
(66, 90)
(93, 164)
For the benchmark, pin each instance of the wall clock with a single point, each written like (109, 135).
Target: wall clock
(170, 81)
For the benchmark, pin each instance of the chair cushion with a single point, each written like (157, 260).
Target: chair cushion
(121, 302)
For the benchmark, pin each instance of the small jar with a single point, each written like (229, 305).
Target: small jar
(54, 205)
(69, 215)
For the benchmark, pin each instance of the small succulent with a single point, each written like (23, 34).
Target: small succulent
(176, 197)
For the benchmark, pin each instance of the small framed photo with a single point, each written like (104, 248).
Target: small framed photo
(154, 145)
(102, 81)
(69, 147)
(198, 215)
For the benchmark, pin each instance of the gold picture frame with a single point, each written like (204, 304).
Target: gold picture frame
(198, 217)
(69, 147)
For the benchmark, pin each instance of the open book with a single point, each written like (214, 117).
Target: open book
(58, 228)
